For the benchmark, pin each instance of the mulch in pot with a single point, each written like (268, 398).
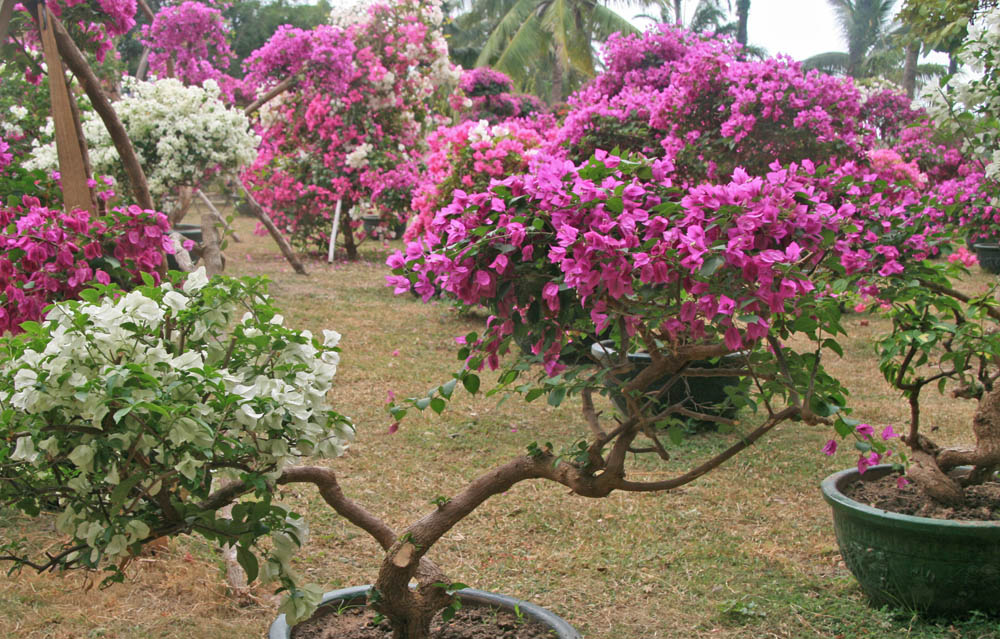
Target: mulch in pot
(982, 503)
(471, 622)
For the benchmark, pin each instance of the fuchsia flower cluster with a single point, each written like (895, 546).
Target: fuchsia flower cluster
(47, 255)
(100, 22)
(352, 129)
(193, 37)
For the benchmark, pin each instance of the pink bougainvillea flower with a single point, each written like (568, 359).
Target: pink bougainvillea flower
(393, 427)
(888, 433)
(865, 430)
(830, 448)
(902, 482)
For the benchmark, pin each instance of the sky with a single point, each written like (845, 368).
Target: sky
(799, 28)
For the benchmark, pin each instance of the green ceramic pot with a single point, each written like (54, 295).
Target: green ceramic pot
(558, 628)
(935, 566)
(988, 254)
(704, 394)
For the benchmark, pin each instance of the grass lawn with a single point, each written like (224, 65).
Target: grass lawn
(745, 552)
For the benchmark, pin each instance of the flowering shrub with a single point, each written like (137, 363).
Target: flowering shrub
(92, 23)
(123, 411)
(485, 94)
(352, 128)
(192, 37)
(182, 136)
(47, 255)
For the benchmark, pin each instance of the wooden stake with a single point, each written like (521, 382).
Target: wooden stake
(333, 233)
(6, 13)
(72, 167)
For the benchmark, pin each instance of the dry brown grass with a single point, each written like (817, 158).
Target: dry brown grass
(746, 552)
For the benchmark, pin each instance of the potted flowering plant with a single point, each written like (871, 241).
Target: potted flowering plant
(929, 543)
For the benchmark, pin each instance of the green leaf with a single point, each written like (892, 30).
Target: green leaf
(557, 395)
(448, 388)
(437, 405)
(147, 279)
(248, 561)
(711, 265)
(422, 403)
(471, 383)
(121, 491)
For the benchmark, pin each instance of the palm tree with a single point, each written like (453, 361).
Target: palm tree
(541, 43)
(866, 26)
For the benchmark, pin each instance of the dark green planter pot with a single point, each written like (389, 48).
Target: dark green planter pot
(558, 628)
(704, 394)
(188, 232)
(933, 566)
(989, 256)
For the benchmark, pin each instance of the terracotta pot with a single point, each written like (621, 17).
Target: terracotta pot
(937, 566)
(557, 625)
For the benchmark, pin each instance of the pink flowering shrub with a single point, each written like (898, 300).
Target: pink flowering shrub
(194, 38)
(352, 129)
(47, 255)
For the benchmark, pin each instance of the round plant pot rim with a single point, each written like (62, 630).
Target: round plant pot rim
(986, 245)
(605, 348)
(281, 630)
(831, 488)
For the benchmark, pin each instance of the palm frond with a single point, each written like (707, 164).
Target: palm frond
(508, 27)
(528, 44)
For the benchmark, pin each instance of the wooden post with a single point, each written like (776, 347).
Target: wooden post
(6, 13)
(77, 63)
(72, 167)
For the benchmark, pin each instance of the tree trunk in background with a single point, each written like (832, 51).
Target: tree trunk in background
(678, 15)
(742, 15)
(952, 64)
(555, 91)
(279, 239)
(910, 69)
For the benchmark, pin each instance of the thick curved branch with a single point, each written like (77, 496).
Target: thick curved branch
(280, 88)
(76, 63)
(325, 481)
(992, 311)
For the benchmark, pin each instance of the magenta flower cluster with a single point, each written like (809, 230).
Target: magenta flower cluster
(467, 158)
(192, 38)
(47, 255)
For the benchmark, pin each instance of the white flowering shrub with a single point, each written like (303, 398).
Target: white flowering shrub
(181, 135)
(122, 412)
(969, 104)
